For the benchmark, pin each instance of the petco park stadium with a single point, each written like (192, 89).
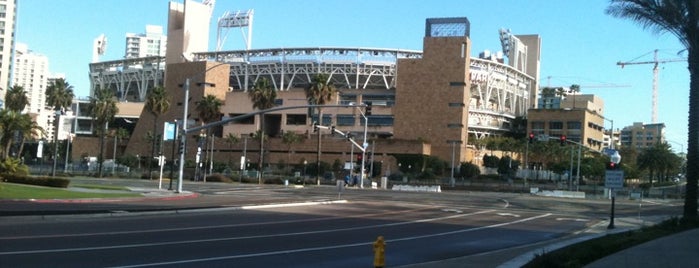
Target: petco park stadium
(439, 95)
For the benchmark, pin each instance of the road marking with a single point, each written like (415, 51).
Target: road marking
(452, 210)
(178, 229)
(261, 254)
(572, 219)
(509, 214)
(38, 251)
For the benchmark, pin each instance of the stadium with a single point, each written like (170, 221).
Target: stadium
(428, 102)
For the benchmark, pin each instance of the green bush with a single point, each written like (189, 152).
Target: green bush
(40, 181)
(13, 166)
(216, 177)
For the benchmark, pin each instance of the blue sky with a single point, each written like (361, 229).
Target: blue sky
(580, 43)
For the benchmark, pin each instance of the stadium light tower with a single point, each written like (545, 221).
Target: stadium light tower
(238, 19)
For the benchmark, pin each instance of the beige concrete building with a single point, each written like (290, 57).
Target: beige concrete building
(580, 119)
(642, 136)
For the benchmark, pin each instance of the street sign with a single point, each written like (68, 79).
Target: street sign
(614, 179)
(169, 131)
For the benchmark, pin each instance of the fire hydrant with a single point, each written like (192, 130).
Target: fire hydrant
(379, 252)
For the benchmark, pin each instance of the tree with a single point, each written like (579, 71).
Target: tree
(574, 88)
(469, 170)
(157, 103)
(320, 92)
(209, 110)
(231, 139)
(102, 108)
(16, 127)
(681, 18)
(16, 98)
(262, 96)
(59, 95)
(290, 138)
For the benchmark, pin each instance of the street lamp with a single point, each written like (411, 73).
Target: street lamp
(364, 145)
(305, 162)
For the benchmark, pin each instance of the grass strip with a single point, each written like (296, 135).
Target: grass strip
(20, 191)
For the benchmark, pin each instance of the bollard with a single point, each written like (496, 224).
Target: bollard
(379, 252)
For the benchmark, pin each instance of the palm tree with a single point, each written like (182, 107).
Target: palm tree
(209, 110)
(29, 129)
(59, 95)
(16, 98)
(319, 92)
(11, 124)
(157, 103)
(290, 138)
(574, 88)
(231, 139)
(262, 96)
(681, 18)
(102, 108)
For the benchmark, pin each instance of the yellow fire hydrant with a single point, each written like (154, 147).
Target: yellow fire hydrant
(379, 252)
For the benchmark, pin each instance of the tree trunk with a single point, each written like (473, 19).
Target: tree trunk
(690, 201)
(262, 151)
(101, 157)
(320, 123)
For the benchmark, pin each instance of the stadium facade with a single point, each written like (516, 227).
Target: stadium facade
(426, 102)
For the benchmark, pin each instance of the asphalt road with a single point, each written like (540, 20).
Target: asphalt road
(237, 231)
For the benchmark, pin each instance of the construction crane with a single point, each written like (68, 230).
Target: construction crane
(655, 62)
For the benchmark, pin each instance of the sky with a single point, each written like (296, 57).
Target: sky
(580, 43)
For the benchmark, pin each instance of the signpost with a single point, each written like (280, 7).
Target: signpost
(613, 179)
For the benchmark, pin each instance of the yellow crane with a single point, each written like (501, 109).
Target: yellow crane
(655, 62)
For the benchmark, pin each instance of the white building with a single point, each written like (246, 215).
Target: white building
(152, 43)
(8, 11)
(31, 71)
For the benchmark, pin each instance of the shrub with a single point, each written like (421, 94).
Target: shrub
(13, 166)
(41, 181)
(216, 177)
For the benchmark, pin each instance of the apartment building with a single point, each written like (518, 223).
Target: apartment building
(642, 136)
(8, 22)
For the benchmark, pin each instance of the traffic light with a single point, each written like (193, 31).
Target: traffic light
(315, 127)
(359, 159)
(563, 140)
(181, 149)
(612, 166)
(531, 137)
(368, 108)
(332, 130)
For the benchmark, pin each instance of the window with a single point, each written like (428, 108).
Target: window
(245, 121)
(379, 120)
(295, 119)
(556, 125)
(345, 119)
(537, 125)
(574, 124)
(327, 119)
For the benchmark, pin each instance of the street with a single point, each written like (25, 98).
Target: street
(337, 232)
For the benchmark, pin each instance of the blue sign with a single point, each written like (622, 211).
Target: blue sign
(169, 131)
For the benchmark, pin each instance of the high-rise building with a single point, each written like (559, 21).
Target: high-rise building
(152, 43)
(8, 11)
(31, 71)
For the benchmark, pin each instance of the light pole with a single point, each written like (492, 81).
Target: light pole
(56, 121)
(364, 146)
(68, 142)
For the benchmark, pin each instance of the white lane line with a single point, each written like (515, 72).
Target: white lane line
(235, 238)
(507, 203)
(509, 214)
(261, 254)
(177, 229)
